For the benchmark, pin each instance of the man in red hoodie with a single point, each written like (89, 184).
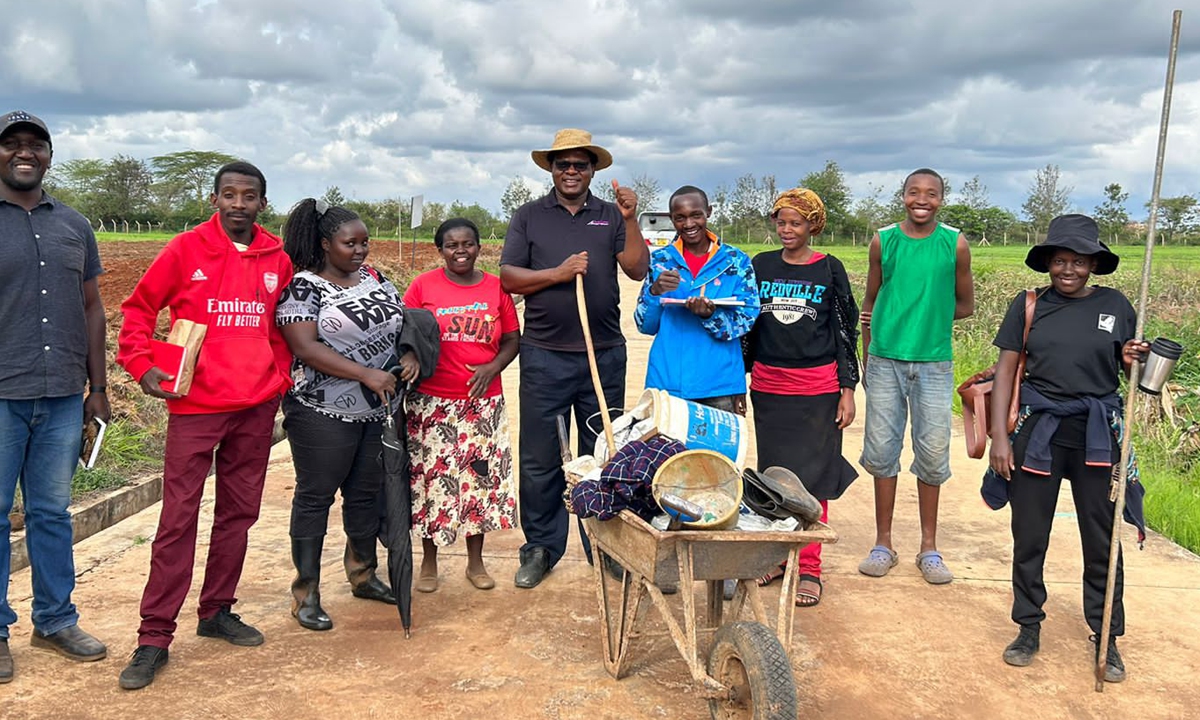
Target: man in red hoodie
(226, 273)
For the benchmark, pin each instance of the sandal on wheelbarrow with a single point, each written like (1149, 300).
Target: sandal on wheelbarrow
(777, 493)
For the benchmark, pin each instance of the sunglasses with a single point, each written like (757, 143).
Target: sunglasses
(581, 166)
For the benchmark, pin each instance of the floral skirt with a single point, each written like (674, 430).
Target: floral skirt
(462, 475)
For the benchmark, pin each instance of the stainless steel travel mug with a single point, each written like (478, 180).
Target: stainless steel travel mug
(1160, 363)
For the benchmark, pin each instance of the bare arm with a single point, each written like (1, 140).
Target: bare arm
(302, 339)
(523, 281)
(1001, 456)
(635, 258)
(964, 282)
(874, 282)
(510, 343)
(1133, 350)
(96, 404)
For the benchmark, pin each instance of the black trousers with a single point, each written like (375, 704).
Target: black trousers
(1033, 499)
(330, 454)
(556, 383)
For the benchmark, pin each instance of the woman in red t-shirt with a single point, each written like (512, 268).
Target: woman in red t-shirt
(462, 478)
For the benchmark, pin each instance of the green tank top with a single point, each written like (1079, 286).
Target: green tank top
(914, 312)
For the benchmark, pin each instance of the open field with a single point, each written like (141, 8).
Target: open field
(1169, 447)
(894, 647)
(1170, 451)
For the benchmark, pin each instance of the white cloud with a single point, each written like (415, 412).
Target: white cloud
(384, 97)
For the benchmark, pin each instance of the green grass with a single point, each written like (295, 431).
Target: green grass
(1171, 473)
(96, 479)
(127, 451)
(134, 237)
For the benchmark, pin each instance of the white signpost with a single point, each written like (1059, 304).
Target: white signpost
(418, 212)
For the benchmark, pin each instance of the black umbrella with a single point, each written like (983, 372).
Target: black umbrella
(397, 524)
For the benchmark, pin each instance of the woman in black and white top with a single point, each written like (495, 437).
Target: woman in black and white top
(340, 318)
(1080, 342)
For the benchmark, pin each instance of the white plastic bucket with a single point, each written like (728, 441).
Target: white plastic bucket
(699, 427)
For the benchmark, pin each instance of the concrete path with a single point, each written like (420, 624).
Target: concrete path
(891, 647)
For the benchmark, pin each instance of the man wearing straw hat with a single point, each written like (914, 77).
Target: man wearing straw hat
(567, 233)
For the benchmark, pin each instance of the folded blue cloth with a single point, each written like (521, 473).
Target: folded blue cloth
(994, 487)
(1098, 436)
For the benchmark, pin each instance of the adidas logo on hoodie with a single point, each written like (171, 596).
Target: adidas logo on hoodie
(199, 275)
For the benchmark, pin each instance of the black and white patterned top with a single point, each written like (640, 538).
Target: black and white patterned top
(361, 323)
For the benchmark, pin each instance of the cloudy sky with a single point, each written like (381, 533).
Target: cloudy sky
(389, 98)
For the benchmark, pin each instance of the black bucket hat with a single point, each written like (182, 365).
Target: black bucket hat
(1077, 233)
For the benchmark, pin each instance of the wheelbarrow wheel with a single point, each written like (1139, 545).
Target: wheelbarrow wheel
(747, 658)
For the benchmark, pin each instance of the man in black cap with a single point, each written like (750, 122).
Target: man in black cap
(51, 345)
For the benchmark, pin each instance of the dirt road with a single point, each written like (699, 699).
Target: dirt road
(891, 647)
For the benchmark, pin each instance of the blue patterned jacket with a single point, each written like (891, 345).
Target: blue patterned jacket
(693, 358)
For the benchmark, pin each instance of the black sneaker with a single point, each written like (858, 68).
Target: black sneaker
(1020, 652)
(144, 662)
(1114, 667)
(229, 627)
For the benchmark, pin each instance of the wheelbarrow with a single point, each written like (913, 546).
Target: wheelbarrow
(748, 673)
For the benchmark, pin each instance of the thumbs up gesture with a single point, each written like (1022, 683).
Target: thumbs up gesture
(626, 200)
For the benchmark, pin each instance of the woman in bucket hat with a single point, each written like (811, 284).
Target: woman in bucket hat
(1070, 423)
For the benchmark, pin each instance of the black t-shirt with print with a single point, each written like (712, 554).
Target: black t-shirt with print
(1074, 346)
(796, 327)
(795, 324)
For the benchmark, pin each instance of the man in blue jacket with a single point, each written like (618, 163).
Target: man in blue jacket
(699, 299)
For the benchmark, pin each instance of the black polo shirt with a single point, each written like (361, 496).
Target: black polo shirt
(541, 235)
(45, 257)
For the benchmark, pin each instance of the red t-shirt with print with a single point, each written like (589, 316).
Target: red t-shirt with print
(472, 318)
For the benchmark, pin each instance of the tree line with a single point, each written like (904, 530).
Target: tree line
(170, 193)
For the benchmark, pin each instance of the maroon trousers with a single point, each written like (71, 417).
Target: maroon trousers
(242, 440)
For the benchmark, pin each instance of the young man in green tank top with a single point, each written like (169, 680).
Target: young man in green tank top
(918, 284)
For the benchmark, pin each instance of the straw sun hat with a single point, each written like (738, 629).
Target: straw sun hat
(572, 139)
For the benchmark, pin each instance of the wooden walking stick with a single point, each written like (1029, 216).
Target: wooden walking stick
(591, 356)
(1117, 491)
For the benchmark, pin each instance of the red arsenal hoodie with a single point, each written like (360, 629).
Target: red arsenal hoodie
(202, 277)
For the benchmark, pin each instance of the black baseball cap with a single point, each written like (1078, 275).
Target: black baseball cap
(13, 120)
